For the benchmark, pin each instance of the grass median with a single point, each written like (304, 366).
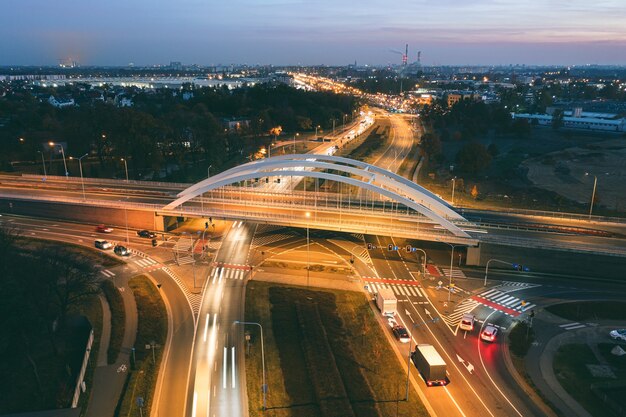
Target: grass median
(152, 332)
(590, 310)
(118, 320)
(365, 371)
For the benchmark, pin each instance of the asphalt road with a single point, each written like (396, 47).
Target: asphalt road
(217, 381)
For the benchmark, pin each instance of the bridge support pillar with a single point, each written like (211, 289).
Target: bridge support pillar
(473, 255)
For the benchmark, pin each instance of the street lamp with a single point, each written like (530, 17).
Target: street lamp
(308, 252)
(451, 265)
(316, 127)
(264, 387)
(82, 180)
(125, 167)
(52, 144)
(453, 184)
(593, 194)
(208, 171)
(43, 164)
(294, 142)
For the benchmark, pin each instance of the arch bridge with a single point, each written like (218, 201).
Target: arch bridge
(324, 192)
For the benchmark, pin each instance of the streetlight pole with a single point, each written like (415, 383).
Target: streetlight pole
(125, 168)
(487, 267)
(43, 164)
(593, 195)
(264, 388)
(453, 184)
(52, 144)
(294, 142)
(82, 181)
(451, 265)
(316, 127)
(208, 171)
(308, 251)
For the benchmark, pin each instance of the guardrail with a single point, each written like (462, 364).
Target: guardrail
(548, 214)
(562, 246)
(81, 374)
(89, 180)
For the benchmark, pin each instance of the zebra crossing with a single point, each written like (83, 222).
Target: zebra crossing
(456, 273)
(107, 273)
(499, 300)
(398, 289)
(148, 264)
(219, 273)
(267, 240)
(572, 326)
(510, 286)
(462, 308)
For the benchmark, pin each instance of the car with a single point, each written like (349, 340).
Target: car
(121, 250)
(102, 244)
(618, 334)
(146, 233)
(489, 334)
(101, 228)
(467, 322)
(401, 333)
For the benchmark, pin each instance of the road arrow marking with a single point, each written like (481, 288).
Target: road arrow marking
(468, 366)
(428, 313)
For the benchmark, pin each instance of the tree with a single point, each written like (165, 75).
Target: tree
(557, 119)
(473, 158)
(493, 150)
(431, 144)
(474, 192)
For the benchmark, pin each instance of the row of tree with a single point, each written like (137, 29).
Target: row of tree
(161, 128)
(38, 290)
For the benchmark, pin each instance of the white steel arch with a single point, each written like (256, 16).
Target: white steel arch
(375, 179)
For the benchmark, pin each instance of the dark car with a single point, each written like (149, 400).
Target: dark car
(147, 234)
(401, 333)
(121, 250)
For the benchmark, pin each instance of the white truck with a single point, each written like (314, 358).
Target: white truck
(386, 302)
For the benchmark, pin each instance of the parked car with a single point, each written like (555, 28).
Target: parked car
(618, 334)
(121, 250)
(146, 233)
(489, 334)
(467, 322)
(102, 244)
(103, 229)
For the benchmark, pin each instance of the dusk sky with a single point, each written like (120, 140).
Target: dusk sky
(117, 32)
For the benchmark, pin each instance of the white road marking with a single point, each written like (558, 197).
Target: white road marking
(224, 370)
(233, 365)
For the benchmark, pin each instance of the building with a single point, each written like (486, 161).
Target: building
(236, 123)
(453, 97)
(60, 103)
(578, 119)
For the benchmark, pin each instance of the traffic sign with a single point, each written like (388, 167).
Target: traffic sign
(409, 248)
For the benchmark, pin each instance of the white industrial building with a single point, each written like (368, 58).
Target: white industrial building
(578, 119)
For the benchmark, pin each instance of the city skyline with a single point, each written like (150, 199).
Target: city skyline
(288, 32)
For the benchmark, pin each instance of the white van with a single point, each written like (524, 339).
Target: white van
(467, 322)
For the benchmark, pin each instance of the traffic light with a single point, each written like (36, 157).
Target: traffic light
(211, 220)
(267, 180)
(408, 248)
(278, 180)
(390, 247)
(369, 246)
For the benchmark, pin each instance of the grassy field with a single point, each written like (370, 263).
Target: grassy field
(98, 257)
(118, 319)
(575, 378)
(590, 310)
(151, 327)
(366, 374)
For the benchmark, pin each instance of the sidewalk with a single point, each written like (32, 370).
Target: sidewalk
(109, 380)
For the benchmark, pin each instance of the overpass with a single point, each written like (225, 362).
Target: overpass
(324, 192)
(315, 191)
